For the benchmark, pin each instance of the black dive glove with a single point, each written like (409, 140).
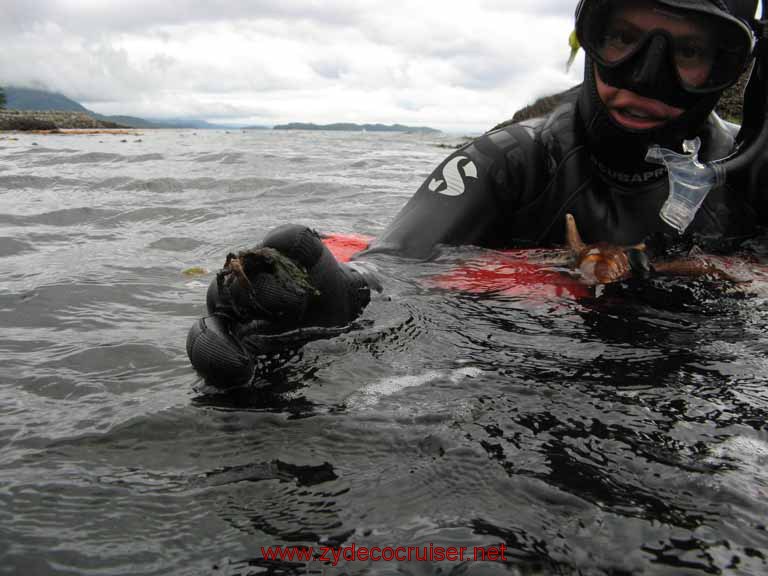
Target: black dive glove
(271, 300)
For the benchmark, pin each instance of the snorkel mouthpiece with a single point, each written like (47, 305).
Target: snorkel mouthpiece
(689, 182)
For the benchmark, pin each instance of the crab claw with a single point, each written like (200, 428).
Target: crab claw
(696, 268)
(572, 236)
(601, 263)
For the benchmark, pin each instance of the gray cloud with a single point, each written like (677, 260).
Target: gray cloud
(364, 60)
(94, 18)
(135, 15)
(331, 69)
(536, 7)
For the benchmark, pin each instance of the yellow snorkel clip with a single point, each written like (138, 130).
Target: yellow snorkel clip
(573, 42)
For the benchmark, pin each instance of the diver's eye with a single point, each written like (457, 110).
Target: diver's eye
(693, 53)
(619, 38)
(616, 43)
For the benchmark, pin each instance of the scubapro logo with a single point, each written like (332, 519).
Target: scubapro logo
(452, 177)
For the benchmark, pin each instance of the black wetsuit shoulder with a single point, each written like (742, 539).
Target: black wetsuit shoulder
(469, 196)
(512, 187)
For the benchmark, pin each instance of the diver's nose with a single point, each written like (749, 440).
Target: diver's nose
(654, 70)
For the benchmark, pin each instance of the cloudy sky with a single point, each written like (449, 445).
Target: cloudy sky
(457, 66)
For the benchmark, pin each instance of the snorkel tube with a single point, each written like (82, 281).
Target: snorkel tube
(690, 180)
(753, 136)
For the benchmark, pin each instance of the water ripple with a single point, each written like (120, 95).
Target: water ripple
(621, 434)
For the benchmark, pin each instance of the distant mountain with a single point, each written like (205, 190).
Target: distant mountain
(39, 100)
(31, 99)
(350, 127)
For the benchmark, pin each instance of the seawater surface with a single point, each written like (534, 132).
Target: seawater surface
(620, 434)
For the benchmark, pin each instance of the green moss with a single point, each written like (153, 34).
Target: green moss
(195, 271)
(286, 271)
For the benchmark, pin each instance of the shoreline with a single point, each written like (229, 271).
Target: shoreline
(51, 121)
(77, 132)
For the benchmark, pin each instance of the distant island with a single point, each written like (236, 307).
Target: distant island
(350, 127)
(36, 109)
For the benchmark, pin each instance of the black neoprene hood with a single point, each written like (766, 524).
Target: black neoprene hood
(734, 10)
(624, 149)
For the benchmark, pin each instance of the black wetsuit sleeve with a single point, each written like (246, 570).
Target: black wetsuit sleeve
(459, 203)
(756, 184)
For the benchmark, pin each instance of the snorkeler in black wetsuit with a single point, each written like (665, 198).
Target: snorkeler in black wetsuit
(653, 76)
(654, 71)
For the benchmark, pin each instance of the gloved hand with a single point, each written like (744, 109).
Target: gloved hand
(273, 299)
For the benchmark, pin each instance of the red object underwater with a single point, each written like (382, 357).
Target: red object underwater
(524, 273)
(521, 273)
(344, 246)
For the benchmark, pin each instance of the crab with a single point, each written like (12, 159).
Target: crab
(604, 263)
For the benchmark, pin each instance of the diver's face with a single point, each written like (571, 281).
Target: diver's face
(691, 53)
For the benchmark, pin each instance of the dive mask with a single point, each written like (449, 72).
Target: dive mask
(675, 51)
